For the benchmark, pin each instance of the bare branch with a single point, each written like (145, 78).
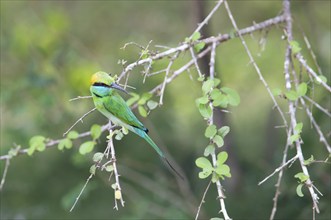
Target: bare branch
(279, 169)
(3, 179)
(117, 189)
(292, 108)
(303, 62)
(206, 20)
(210, 40)
(80, 97)
(81, 192)
(80, 119)
(166, 76)
(202, 200)
(258, 71)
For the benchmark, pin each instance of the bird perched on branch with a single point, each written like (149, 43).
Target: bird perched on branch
(112, 105)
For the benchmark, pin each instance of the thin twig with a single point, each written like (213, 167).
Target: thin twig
(166, 76)
(280, 177)
(80, 119)
(257, 69)
(303, 62)
(206, 20)
(80, 97)
(292, 108)
(212, 59)
(81, 192)
(3, 179)
(312, 53)
(202, 200)
(279, 169)
(318, 106)
(116, 174)
(209, 40)
(316, 126)
(195, 60)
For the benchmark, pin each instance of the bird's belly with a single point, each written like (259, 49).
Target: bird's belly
(114, 119)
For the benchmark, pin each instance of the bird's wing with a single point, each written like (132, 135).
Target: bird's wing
(116, 105)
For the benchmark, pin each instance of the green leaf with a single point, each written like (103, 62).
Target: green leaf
(292, 95)
(93, 169)
(277, 92)
(210, 131)
(218, 140)
(152, 104)
(298, 127)
(233, 96)
(86, 147)
(223, 131)
(72, 135)
(221, 101)
(205, 110)
(203, 163)
(309, 160)
(223, 170)
(64, 143)
(299, 190)
(207, 86)
(209, 150)
(142, 111)
(302, 177)
(319, 79)
(109, 168)
(98, 157)
(119, 135)
(215, 94)
(294, 138)
(135, 97)
(195, 36)
(95, 131)
(216, 82)
(144, 98)
(114, 186)
(205, 173)
(201, 78)
(36, 143)
(295, 47)
(199, 46)
(202, 100)
(222, 157)
(302, 89)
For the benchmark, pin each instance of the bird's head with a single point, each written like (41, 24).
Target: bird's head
(103, 79)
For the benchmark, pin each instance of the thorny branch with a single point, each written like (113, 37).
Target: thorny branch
(291, 104)
(118, 189)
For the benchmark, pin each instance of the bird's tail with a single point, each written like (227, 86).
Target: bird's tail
(144, 135)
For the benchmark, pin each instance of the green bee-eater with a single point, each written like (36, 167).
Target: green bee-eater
(112, 105)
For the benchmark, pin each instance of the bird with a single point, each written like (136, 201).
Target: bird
(111, 104)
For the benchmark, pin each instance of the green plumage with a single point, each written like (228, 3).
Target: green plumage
(112, 105)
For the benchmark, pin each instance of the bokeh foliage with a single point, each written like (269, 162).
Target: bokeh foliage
(49, 49)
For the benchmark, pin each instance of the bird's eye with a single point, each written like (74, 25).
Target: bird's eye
(100, 84)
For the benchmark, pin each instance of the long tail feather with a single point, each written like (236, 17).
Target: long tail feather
(144, 135)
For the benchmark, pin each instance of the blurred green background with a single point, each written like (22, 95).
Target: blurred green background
(49, 49)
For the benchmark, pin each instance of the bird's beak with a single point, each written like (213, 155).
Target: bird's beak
(118, 87)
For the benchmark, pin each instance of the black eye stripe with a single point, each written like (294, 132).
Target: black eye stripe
(101, 84)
